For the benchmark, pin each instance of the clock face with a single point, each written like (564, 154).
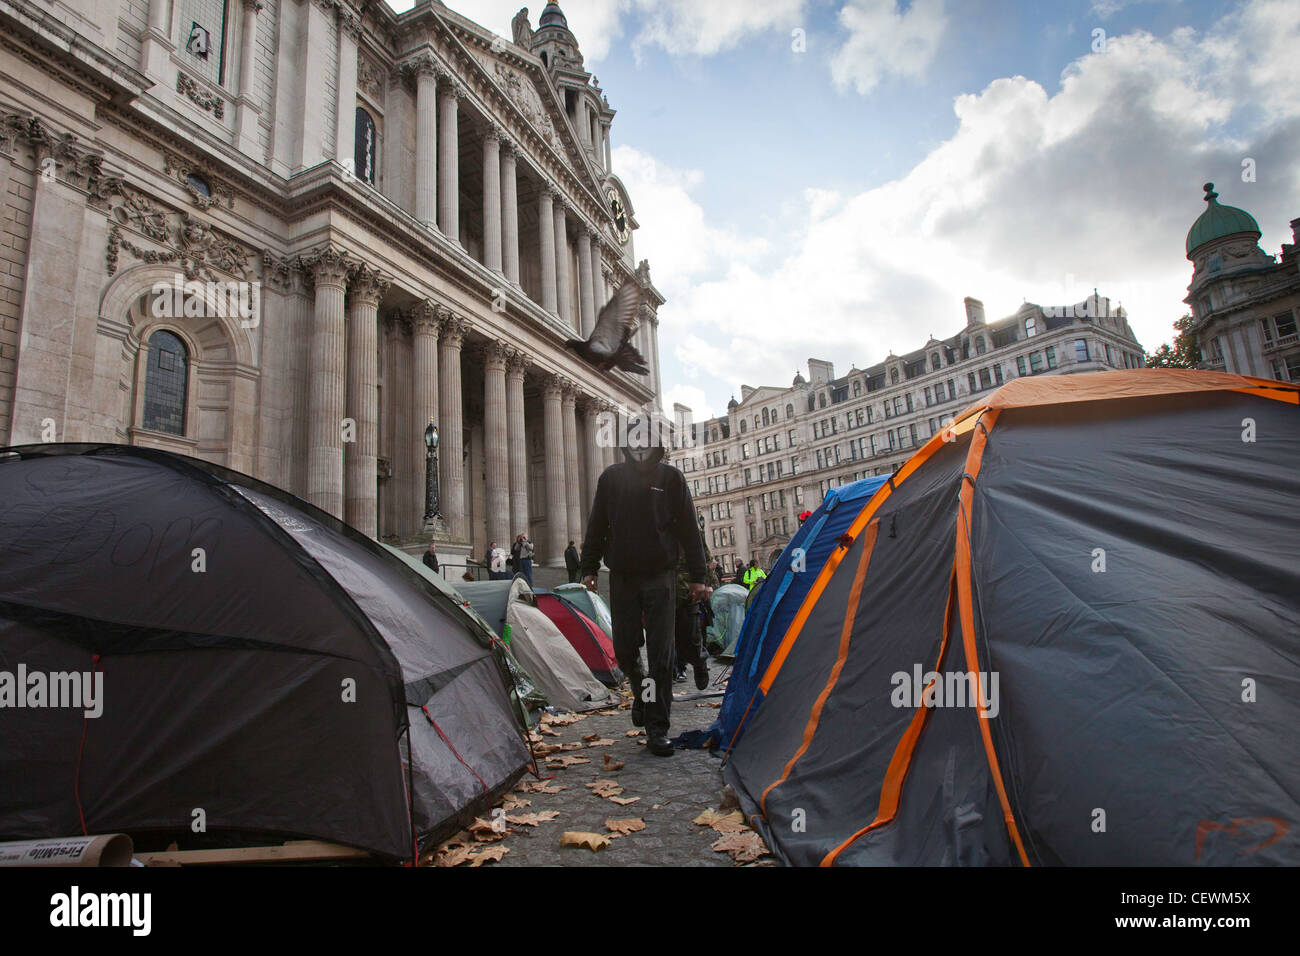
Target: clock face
(620, 216)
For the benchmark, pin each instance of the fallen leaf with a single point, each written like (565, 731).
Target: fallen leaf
(732, 822)
(485, 831)
(453, 856)
(543, 749)
(539, 786)
(602, 742)
(561, 720)
(489, 854)
(556, 762)
(592, 841)
(636, 733)
(744, 847)
(611, 764)
(512, 802)
(624, 801)
(532, 819)
(571, 745)
(625, 826)
(714, 703)
(590, 737)
(626, 705)
(605, 788)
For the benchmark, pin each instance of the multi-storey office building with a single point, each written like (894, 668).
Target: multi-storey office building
(372, 220)
(778, 450)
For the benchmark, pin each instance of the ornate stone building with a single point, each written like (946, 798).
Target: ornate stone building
(369, 221)
(780, 449)
(1244, 303)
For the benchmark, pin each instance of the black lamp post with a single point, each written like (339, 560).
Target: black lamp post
(431, 472)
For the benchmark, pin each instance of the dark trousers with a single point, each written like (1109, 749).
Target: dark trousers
(650, 597)
(526, 569)
(573, 575)
(688, 637)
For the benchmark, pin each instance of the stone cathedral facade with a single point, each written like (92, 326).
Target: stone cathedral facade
(285, 235)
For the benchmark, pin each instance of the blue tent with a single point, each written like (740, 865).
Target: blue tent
(777, 602)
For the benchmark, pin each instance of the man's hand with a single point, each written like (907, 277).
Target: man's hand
(700, 592)
(589, 582)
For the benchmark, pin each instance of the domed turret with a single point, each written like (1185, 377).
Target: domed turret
(1219, 221)
(552, 16)
(799, 380)
(733, 404)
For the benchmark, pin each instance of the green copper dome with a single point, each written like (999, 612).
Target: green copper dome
(1218, 221)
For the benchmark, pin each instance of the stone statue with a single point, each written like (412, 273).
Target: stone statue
(523, 32)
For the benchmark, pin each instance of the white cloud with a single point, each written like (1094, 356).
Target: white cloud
(1035, 195)
(692, 397)
(706, 27)
(886, 41)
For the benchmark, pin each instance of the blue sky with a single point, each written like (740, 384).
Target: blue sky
(838, 202)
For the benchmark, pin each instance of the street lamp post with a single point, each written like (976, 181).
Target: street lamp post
(430, 475)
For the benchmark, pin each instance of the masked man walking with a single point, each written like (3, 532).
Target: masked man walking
(642, 519)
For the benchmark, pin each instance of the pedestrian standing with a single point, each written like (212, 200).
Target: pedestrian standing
(687, 628)
(571, 562)
(739, 576)
(754, 575)
(526, 553)
(642, 519)
(497, 563)
(515, 547)
(431, 558)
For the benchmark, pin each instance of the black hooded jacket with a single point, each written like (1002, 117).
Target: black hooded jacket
(638, 522)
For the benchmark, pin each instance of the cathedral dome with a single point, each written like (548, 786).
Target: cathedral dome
(553, 16)
(799, 379)
(733, 403)
(1218, 221)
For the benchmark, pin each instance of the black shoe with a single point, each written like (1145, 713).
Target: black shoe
(638, 712)
(701, 674)
(659, 746)
(679, 677)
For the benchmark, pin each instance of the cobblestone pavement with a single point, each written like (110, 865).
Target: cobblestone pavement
(667, 793)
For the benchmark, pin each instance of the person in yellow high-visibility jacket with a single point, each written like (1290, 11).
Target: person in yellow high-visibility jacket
(753, 574)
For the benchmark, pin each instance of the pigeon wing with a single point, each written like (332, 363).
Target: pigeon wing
(616, 320)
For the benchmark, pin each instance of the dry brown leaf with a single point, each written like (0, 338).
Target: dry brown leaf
(556, 762)
(744, 847)
(623, 801)
(732, 822)
(611, 764)
(590, 737)
(534, 738)
(547, 730)
(592, 841)
(485, 832)
(605, 788)
(625, 825)
(626, 705)
(539, 786)
(571, 745)
(512, 802)
(532, 819)
(636, 733)
(489, 854)
(453, 856)
(602, 742)
(543, 749)
(561, 720)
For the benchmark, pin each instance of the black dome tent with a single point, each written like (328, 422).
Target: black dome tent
(264, 667)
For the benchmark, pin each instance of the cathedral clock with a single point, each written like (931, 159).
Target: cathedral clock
(620, 216)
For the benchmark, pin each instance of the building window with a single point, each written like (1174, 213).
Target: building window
(893, 376)
(1031, 327)
(165, 384)
(1035, 362)
(1285, 324)
(1051, 356)
(789, 411)
(765, 420)
(1021, 368)
(1266, 327)
(366, 147)
(1110, 358)
(908, 398)
(970, 381)
(997, 374)
(934, 361)
(986, 380)
(1081, 350)
(980, 348)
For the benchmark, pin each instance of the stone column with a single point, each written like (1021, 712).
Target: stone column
(546, 236)
(509, 213)
(562, 288)
(247, 112)
(449, 96)
(368, 287)
(451, 434)
(608, 162)
(557, 505)
(597, 285)
(495, 428)
(518, 450)
(426, 138)
(572, 478)
(654, 356)
(492, 199)
(326, 381)
(586, 291)
(424, 400)
(156, 45)
(595, 454)
(396, 175)
(345, 114)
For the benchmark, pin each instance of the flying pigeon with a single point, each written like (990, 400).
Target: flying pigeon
(610, 345)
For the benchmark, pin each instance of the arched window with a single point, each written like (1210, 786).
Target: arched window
(756, 421)
(934, 361)
(893, 376)
(367, 147)
(979, 345)
(1031, 327)
(743, 426)
(789, 411)
(165, 384)
(766, 421)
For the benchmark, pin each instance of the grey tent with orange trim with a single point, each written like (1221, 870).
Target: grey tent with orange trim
(1067, 632)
